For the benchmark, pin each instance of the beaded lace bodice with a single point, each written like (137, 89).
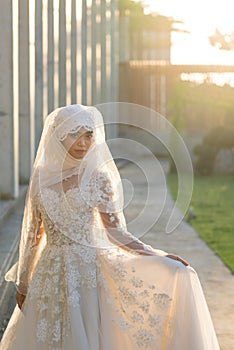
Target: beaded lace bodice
(73, 216)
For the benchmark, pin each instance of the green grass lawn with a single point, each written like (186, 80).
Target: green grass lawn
(213, 203)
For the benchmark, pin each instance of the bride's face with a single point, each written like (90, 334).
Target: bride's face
(78, 144)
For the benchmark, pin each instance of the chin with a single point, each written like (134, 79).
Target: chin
(78, 157)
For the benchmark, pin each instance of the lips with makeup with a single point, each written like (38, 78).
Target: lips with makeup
(80, 150)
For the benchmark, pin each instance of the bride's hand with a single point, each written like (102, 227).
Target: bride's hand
(20, 299)
(151, 251)
(178, 258)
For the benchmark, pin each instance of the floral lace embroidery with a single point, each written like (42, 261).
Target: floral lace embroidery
(80, 118)
(136, 303)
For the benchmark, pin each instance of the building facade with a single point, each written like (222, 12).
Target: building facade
(53, 53)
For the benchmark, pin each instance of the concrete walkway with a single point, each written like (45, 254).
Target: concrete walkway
(215, 277)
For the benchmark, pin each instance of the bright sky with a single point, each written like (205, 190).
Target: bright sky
(201, 18)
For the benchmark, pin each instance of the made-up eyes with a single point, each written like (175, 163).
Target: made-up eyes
(76, 135)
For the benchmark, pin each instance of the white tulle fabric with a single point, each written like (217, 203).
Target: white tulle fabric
(86, 285)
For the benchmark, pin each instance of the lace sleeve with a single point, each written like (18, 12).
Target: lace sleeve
(113, 220)
(32, 235)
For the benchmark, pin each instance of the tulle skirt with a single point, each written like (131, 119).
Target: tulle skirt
(111, 300)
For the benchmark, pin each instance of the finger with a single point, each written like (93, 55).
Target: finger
(19, 304)
(178, 258)
(183, 261)
(20, 300)
(17, 299)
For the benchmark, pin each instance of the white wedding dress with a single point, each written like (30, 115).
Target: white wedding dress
(85, 297)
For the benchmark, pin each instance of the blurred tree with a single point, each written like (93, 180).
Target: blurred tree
(147, 32)
(196, 108)
(222, 41)
(127, 7)
(218, 138)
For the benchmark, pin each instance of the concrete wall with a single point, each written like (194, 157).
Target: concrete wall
(53, 53)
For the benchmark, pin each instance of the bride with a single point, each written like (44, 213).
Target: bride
(83, 281)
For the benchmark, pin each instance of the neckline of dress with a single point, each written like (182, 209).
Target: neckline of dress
(62, 193)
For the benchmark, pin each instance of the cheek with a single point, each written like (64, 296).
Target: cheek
(90, 142)
(68, 143)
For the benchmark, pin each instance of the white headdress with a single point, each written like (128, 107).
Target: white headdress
(54, 164)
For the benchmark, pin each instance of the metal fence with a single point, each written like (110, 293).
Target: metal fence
(52, 53)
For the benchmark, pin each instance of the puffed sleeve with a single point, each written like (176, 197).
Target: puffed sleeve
(113, 218)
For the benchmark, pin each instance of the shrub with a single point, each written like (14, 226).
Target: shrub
(218, 138)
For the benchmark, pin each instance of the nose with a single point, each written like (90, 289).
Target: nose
(81, 141)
